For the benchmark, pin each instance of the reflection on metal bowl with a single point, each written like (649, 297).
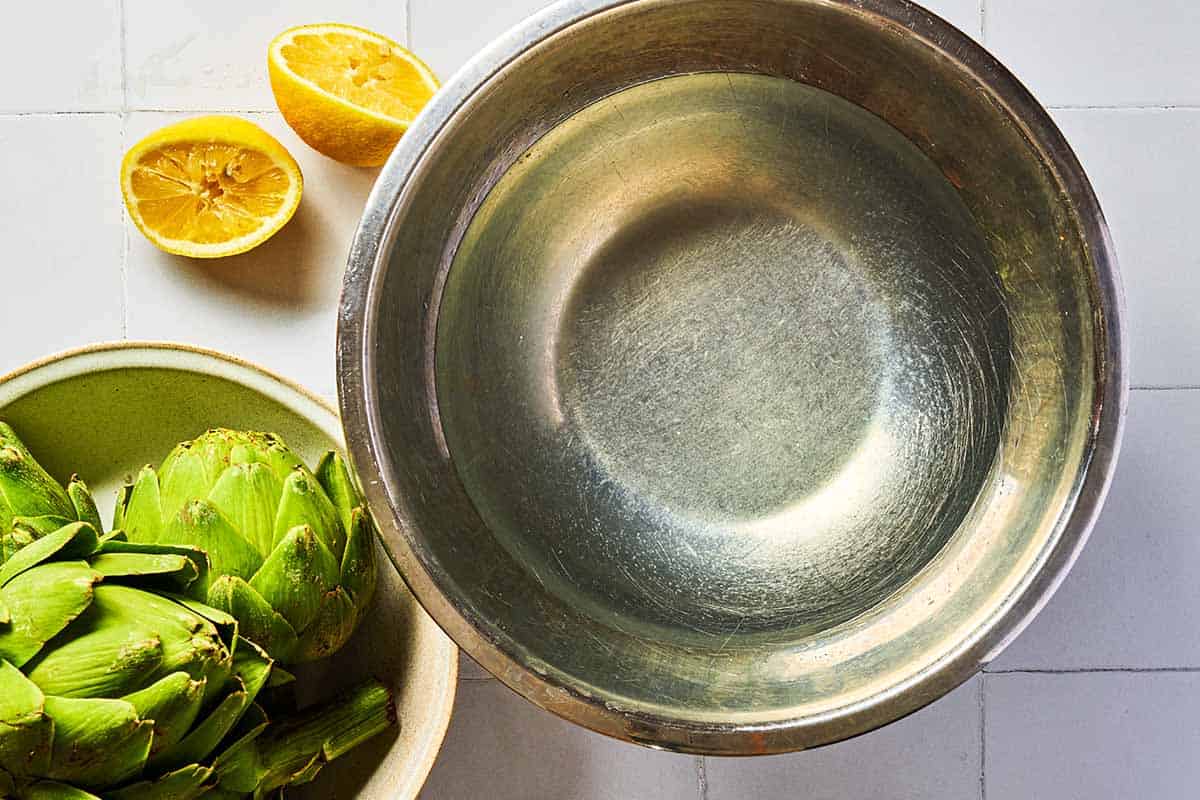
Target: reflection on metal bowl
(737, 376)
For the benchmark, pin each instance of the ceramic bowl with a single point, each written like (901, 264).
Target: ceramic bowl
(103, 411)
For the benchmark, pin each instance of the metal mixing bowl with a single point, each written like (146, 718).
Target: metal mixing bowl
(733, 376)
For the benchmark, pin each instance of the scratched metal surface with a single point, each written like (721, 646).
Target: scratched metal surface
(738, 412)
(720, 338)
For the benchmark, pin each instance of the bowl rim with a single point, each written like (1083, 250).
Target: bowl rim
(151, 354)
(367, 263)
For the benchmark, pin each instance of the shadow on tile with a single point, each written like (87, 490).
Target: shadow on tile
(934, 754)
(502, 747)
(282, 271)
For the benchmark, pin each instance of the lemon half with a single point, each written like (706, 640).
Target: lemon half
(210, 186)
(347, 92)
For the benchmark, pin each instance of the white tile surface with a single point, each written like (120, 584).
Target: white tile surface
(60, 220)
(277, 304)
(51, 66)
(1145, 166)
(1131, 599)
(446, 34)
(183, 54)
(963, 14)
(501, 747)
(932, 755)
(1130, 602)
(1099, 736)
(1084, 52)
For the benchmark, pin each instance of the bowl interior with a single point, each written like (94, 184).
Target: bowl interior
(741, 347)
(732, 366)
(102, 413)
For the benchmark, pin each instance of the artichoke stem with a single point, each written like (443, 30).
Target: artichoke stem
(323, 734)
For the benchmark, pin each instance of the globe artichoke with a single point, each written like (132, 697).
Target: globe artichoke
(291, 553)
(102, 682)
(31, 502)
(108, 690)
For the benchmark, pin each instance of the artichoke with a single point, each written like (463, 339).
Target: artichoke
(103, 683)
(31, 502)
(291, 553)
(111, 690)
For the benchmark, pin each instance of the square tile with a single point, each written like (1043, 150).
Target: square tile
(1080, 52)
(963, 14)
(502, 747)
(59, 60)
(1099, 736)
(213, 55)
(1144, 165)
(469, 669)
(932, 755)
(447, 34)
(61, 224)
(275, 305)
(1130, 599)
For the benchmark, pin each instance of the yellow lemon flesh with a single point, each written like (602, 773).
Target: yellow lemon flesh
(349, 93)
(210, 186)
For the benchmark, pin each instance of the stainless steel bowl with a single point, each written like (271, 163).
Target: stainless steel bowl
(733, 376)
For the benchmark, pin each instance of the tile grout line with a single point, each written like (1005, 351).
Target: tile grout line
(124, 55)
(1095, 671)
(129, 109)
(982, 739)
(1183, 387)
(408, 19)
(983, 22)
(124, 247)
(1132, 107)
(123, 38)
(702, 777)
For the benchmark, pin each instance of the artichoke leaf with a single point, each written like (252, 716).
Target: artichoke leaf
(52, 790)
(248, 496)
(179, 570)
(185, 783)
(41, 603)
(304, 502)
(126, 639)
(12, 542)
(96, 742)
(139, 509)
(296, 576)
(334, 475)
(25, 487)
(331, 629)
(75, 541)
(201, 525)
(84, 505)
(251, 669)
(182, 478)
(37, 527)
(26, 733)
(173, 703)
(360, 572)
(260, 623)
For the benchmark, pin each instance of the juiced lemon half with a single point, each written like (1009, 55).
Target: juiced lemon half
(349, 93)
(210, 186)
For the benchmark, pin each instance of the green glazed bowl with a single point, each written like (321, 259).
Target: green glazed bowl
(103, 411)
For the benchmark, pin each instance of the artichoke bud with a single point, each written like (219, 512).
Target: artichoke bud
(291, 553)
